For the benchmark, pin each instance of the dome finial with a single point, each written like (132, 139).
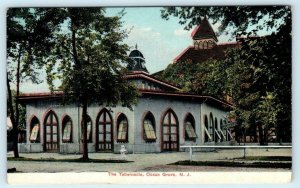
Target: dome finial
(136, 46)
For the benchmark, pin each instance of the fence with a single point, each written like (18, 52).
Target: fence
(231, 147)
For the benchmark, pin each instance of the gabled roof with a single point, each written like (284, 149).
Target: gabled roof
(145, 76)
(145, 92)
(204, 31)
(200, 55)
(43, 95)
(190, 97)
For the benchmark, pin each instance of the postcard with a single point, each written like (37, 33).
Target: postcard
(149, 95)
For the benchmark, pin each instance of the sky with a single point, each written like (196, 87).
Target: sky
(159, 40)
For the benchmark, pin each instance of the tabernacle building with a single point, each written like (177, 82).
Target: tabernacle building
(164, 118)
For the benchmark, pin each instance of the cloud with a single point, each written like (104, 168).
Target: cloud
(216, 26)
(180, 32)
(141, 32)
(158, 54)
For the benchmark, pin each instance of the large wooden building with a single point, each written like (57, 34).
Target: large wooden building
(164, 118)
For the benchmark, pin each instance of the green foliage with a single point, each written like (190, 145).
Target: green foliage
(257, 75)
(204, 78)
(87, 58)
(180, 74)
(29, 37)
(234, 19)
(22, 110)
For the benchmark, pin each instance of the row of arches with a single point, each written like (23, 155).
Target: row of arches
(105, 128)
(215, 130)
(206, 44)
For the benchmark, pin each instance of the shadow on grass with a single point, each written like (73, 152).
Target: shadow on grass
(79, 160)
(266, 158)
(256, 164)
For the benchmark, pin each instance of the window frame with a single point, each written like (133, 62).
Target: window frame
(65, 122)
(150, 118)
(121, 119)
(150, 130)
(89, 131)
(189, 118)
(33, 124)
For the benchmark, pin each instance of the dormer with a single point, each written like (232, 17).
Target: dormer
(204, 36)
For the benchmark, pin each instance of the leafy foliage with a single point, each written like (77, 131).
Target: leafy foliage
(257, 75)
(29, 38)
(88, 56)
(22, 110)
(235, 20)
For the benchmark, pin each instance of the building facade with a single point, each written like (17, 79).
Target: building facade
(164, 118)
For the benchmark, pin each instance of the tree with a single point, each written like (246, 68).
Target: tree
(257, 74)
(28, 39)
(176, 73)
(203, 78)
(234, 20)
(88, 59)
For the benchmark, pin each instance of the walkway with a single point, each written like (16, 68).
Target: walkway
(141, 162)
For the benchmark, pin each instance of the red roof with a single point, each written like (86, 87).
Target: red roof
(199, 55)
(141, 74)
(168, 94)
(189, 96)
(26, 96)
(195, 30)
(204, 31)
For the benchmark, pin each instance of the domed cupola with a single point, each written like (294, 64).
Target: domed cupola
(137, 61)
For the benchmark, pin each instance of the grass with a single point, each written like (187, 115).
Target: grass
(256, 164)
(79, 160)
(267, 158)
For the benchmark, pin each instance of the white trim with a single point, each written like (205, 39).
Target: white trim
(207, 133)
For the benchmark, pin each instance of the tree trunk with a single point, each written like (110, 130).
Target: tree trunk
(261, 135)
(266, 135)
(12, 118)
(84, 131)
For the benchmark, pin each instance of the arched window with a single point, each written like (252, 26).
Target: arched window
(170, 131)
(222, 130)
(89, 129)
(210, 44)
(104, 131)
(211, 127)
(34, 130)
(189, 125)
(51, 132)
(149, 128)
(205, 45)
(200, 45)
(67, 128)
(122, 128)
(196, 45)
(207, 136)
(217, 129)
(221, 124)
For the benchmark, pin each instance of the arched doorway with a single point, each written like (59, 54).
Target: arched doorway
(170, 136)
(104, 132)
(51, 133)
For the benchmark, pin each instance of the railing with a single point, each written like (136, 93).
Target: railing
(231, 147)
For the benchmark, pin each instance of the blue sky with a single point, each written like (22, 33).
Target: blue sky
(159, 40)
